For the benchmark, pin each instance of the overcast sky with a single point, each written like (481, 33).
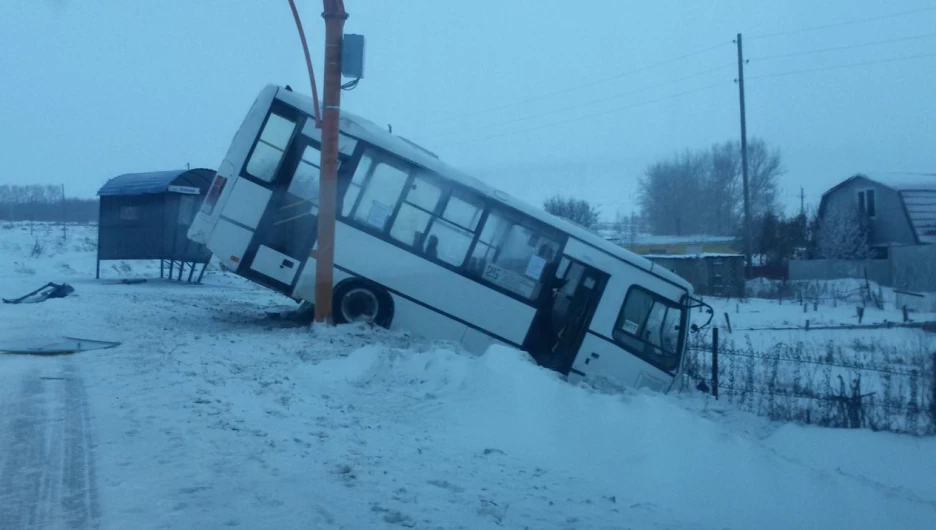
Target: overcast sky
(534, 96)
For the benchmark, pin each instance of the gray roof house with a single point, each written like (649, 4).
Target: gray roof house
(900, 207)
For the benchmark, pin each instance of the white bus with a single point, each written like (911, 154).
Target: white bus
(424, 247)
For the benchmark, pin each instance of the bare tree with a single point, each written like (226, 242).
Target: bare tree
(843, 233)
(764, 168)
(578, 211)
(722, 189)
(669, 192)
(701, 192)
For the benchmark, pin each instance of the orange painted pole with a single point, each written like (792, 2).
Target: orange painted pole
(335, 16)
(308, 60)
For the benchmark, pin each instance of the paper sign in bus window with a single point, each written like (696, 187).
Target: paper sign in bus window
(630, 327)
(378, 214)
(535, 267)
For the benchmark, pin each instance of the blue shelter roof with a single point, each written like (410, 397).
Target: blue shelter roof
(140, 183)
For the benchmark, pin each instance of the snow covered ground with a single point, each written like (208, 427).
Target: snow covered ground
(209, 416)
(779, 348)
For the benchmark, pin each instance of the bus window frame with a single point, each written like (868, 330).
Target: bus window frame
(284, 111)
(680, 341)
(377, 154)
(517, 218)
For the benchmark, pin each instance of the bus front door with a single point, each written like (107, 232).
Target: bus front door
(287, 230)
(563, 319)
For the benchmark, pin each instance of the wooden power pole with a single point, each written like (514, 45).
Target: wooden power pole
(335, 16)
(744, 164)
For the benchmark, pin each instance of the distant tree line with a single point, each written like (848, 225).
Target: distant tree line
(41, 202)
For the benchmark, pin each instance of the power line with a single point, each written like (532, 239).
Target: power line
(579, 87)
(585, 104)
(849, 47)
(845, 23)
(587, 116)
(842, 66)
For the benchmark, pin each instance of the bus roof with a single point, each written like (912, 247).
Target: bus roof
(371, 133)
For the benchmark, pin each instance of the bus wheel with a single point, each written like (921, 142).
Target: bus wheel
(357, 301)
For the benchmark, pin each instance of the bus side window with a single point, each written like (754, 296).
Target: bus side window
(380, 195)
(455, 230)
(363, 170)
(511, 253)
(452, 241)
(270, 147)
(419, 202)
(305, 182)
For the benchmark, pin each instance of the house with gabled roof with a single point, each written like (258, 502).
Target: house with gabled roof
(899, 208)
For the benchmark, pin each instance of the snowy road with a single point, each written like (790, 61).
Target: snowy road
(47, 473)
(208, 416)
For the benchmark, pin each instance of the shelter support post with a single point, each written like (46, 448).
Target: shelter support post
(97, 272)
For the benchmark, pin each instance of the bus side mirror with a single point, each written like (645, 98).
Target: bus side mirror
(694, 328)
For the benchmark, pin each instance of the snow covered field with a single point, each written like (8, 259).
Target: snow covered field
(209, 416)
(785, 361)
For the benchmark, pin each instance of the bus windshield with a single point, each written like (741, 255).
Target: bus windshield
(649, 326)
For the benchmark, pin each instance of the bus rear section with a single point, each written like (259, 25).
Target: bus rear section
(424, 248)
(259, 216)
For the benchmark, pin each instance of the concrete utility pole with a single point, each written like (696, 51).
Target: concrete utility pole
(335, 16)
(744, 165)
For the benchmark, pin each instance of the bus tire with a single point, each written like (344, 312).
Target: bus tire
(357, 300)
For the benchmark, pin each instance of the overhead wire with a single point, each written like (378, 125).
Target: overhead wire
(840, 24)
(680, 94)
(579, 87)
(581, 105)
(584, 117)
(839, 48)
(843, 66)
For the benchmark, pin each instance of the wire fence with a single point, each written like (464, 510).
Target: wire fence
(870, 385)
(812, 292)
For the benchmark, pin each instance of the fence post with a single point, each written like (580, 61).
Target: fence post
(715, 362)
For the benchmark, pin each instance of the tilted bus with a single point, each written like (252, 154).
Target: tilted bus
(423, 247)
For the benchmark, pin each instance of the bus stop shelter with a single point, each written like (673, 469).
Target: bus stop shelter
(146, 216)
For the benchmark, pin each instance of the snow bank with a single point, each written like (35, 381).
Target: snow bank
(208, 416)
(642, 451)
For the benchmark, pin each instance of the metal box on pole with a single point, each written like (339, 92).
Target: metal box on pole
(352, 56)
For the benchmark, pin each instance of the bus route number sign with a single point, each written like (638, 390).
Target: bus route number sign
(509, 280)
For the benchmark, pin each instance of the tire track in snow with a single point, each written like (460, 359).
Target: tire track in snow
(79, 501)
(47, 477)
(23, 439)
